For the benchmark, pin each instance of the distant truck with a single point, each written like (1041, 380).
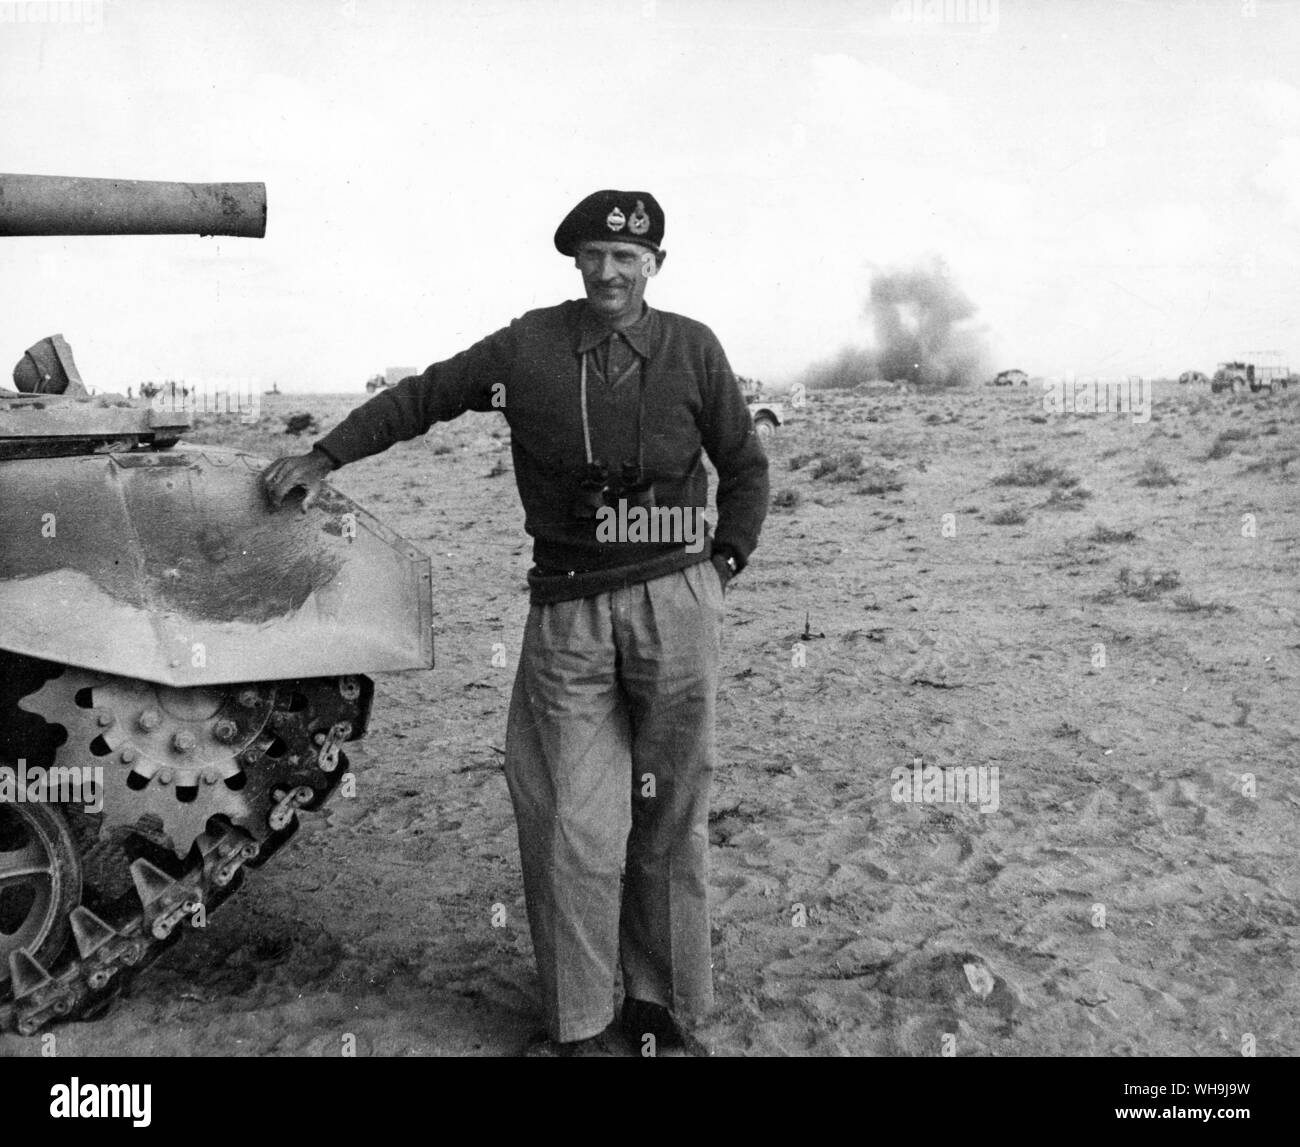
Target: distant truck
(391, 377)
(1011, 378)
(1237, 376)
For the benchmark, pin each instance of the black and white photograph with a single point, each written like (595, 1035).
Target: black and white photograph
(651, 529)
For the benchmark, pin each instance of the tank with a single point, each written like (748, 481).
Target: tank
(181, 665)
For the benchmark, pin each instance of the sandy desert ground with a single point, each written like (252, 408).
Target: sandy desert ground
(1108, 634)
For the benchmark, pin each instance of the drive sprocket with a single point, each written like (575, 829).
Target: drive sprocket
(172, 753)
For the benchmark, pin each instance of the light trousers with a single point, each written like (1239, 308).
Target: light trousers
(609, 758)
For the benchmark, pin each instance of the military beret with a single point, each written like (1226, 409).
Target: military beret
(621, 216)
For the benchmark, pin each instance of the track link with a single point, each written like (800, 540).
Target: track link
(287, 757)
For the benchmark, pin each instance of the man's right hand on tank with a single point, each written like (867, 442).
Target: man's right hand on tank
(305, 470)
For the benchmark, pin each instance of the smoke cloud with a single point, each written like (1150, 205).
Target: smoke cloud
(924, 334)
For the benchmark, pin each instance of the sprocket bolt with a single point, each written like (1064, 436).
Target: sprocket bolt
(150, 719)
(128, 755)
(247, 698)
(225, 730)
(165, 776)
(106, 719)
(183, 741)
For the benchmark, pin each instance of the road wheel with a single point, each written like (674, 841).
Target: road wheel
(40, 882)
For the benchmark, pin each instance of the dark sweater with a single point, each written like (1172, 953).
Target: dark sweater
(529, 371)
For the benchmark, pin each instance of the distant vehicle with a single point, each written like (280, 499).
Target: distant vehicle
(1237, 376)
(1232, 376)
(767, 416)
(391, 377)
(1193, 377)
(1011, 378)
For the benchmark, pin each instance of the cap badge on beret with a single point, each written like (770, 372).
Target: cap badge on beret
(609, 216)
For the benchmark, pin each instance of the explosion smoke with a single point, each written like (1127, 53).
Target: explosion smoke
(923, 334)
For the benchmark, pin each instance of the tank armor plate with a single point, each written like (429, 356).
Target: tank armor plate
(172, 567)
(52, 425)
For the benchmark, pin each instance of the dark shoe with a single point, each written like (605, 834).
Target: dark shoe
(607, 1043)
(642, 1018)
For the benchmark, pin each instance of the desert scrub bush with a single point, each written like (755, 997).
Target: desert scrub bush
(893, 446)
(303, 422)
(1186, 603)
(1268, 465)
(876, 479)
(1107, 536)
(1009, 516)
(1222, 446)
(1068, 499)
(441, 448)
(1155, 473)
(1035, 472)
(786, 499)
(1147, 584)
(842, 466)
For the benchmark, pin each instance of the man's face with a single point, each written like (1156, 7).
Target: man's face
(615, 275)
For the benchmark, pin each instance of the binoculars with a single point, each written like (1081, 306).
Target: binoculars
(597, 489)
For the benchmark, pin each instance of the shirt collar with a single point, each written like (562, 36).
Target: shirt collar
(592, 332)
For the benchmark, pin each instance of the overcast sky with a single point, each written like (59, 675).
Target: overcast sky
(1115, 185)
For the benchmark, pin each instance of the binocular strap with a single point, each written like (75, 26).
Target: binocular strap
(640, 411)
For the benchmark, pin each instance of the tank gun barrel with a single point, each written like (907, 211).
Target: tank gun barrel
(70, 205)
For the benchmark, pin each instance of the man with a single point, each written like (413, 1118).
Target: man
(610, 736)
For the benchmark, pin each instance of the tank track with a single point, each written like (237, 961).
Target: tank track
(197, 785)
